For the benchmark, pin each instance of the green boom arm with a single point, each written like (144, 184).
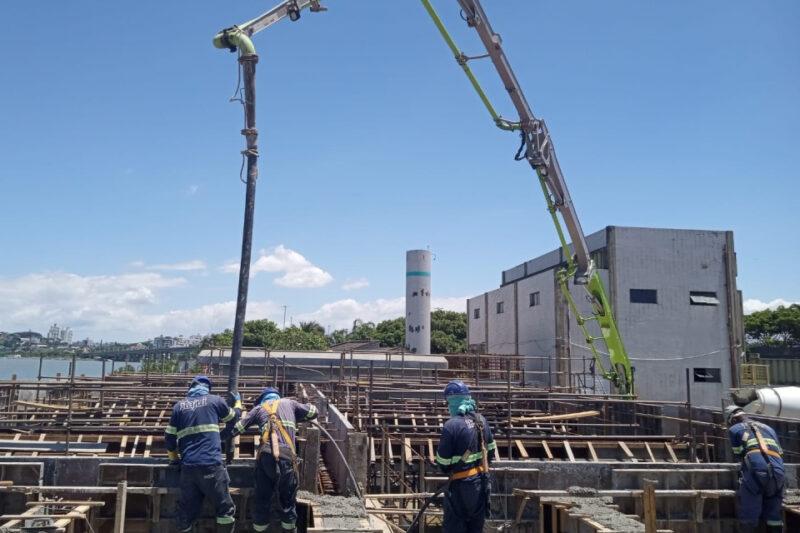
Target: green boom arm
(540, 154)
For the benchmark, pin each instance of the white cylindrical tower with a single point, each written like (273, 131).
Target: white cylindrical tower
(418, 301)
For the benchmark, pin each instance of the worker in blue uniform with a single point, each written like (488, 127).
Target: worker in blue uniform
(276, 462)
(761, 481)
(465, 450)
(193, 441)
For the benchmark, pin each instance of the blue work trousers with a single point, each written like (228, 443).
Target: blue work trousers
(466, 505)
(272, 478)
(760, 498)
(199, 482)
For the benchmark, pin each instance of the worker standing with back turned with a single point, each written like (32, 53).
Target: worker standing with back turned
(464, 453)
(761, 481)
(276, 462)
(193, 441)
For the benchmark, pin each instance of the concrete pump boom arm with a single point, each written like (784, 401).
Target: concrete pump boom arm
(536, 148)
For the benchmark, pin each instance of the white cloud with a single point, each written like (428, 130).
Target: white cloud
(298, 272)
(192, 189)
(355, 284)
(342, 313)
(209, 318)
(752, 305)
(182, 266)
(117, 307)
(82, 302)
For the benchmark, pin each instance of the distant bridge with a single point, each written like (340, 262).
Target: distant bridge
(134, 356)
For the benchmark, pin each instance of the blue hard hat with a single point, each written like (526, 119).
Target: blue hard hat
(201, 379)
(455, 387)
(264, 393)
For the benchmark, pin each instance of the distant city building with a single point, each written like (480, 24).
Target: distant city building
(54, 334)
(65, 335)
(58, 335)
(165, 341)
(195, 340)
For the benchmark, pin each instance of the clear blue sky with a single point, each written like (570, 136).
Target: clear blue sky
(120, 152)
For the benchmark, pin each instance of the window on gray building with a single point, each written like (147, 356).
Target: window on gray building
(703, 298)
(500, 308)
(476, 313)
(708, 375)
(644, 296)
(533, 299)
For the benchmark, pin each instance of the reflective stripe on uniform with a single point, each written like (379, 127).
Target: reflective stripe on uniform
(225, 520)
(312, 412)
(230, 416)
(471, 458)
(774, 522)
(287, 525)
(491, 446)
(171, 430)
(260, 527)
(239, 427)
(737, 449)
(202, 428)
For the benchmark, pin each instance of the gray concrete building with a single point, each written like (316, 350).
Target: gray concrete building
(674, 296)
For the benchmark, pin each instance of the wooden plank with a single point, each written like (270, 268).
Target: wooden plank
(671, 452)
(556, 418)
(568, 448)
(627, 451)
(431, 456)
(592, 452)
(407, 450)
(122, 445)
(547, 451)
(523, 453)
(147, 444)
(649, 451)
(133, 448)
(649, 506)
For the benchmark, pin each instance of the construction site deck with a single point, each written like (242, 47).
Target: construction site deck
(88, 454)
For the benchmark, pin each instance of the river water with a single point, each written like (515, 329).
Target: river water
(27, 368)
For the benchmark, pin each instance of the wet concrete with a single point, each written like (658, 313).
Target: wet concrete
(338, 512)
(585, 501)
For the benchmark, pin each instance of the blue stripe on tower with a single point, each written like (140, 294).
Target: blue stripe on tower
(418, 273)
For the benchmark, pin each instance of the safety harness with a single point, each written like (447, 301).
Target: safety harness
(270, 434)
(484, 466)
(763, 448)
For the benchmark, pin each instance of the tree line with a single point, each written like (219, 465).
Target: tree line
(775, 327)
(448, 334)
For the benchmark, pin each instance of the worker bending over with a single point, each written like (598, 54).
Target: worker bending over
(276, 462)
(762, 475)
(464, 453)
(193, 441)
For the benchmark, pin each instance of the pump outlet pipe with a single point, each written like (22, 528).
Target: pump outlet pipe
(235, 39)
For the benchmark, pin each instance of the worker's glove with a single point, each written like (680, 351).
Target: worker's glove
(236, 400)
(174, 458)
